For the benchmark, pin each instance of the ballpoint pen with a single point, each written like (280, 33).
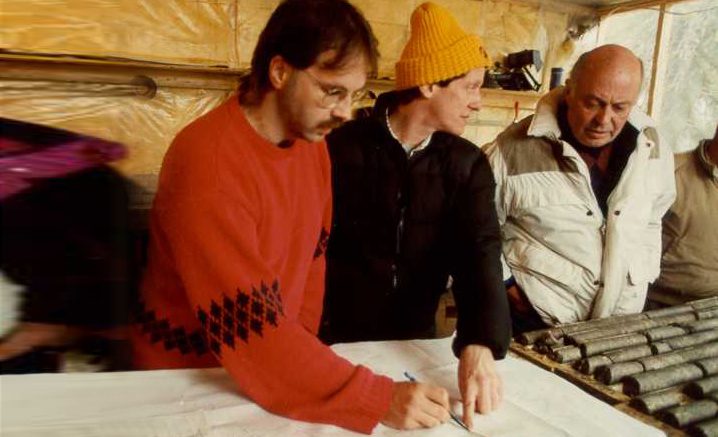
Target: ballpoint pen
(453, 415)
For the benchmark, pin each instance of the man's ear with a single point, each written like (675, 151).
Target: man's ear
(428, 90)
(568, 87)
(278, 72)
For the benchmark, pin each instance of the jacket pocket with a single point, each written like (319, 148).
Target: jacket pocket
(644, 264)
(637, 271)
(539, 190)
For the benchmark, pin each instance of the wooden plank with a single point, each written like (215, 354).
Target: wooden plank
(650, 420)
(591, 386)
(566, 371)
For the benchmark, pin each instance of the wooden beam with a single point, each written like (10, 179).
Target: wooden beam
(61, 69)
(490, 97)
(552, 5)
(497, 98)
(70, 70)
(631, 5)
(655, 91)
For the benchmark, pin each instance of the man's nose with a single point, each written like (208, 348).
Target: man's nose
(603, 116)
(343, 110)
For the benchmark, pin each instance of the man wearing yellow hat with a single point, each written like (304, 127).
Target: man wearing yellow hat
(413, 205)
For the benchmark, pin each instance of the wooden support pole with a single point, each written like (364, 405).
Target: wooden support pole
(655, 92)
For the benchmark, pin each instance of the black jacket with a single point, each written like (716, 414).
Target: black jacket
(401, 226)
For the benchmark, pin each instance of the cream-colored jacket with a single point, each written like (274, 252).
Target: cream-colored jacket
(571, 261)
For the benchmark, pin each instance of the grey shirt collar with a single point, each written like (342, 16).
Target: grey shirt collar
(408, 148)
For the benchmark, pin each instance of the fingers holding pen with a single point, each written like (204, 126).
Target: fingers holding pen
(416, 405)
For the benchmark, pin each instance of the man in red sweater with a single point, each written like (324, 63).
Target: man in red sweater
(239, 228)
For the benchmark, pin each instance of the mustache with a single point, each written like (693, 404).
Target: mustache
(332, 123)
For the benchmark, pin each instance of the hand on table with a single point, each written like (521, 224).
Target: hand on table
(480, 385)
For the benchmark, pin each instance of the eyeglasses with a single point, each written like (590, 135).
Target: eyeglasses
(334, 95)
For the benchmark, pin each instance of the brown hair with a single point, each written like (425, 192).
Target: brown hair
(301, 30)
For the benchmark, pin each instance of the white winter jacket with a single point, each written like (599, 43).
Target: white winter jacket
(571, 261)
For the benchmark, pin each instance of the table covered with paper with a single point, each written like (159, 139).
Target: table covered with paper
(205, 402)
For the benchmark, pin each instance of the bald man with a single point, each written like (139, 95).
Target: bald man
(582, 186)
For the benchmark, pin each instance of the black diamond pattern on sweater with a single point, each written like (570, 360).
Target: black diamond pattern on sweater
(171, 337)
(247, 314)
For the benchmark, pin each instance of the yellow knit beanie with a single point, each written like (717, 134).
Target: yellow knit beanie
(438, 49)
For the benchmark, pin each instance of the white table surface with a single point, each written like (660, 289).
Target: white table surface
(204, 402)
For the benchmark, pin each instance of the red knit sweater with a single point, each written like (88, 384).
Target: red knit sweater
(236, 273)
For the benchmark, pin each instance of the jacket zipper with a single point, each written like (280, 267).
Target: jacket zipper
(399, 233)
(583, 171)
(400, 225)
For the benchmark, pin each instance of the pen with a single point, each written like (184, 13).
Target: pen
(453, 415)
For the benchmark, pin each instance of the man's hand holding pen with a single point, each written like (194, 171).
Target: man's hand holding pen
(417, 405)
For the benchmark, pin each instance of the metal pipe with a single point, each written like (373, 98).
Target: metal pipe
(653, 402)
(589, 365)
(693, 412)
(663, 332)
(616, 372)
(708, 365)
(680, 356)
(701, 325)
(612, 343)
(699, 389)
(709, 428)
(662, 378)
(566, 354)
(703, 306)
(692, 339)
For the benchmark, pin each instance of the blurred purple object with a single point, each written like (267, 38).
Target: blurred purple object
(30, 153)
